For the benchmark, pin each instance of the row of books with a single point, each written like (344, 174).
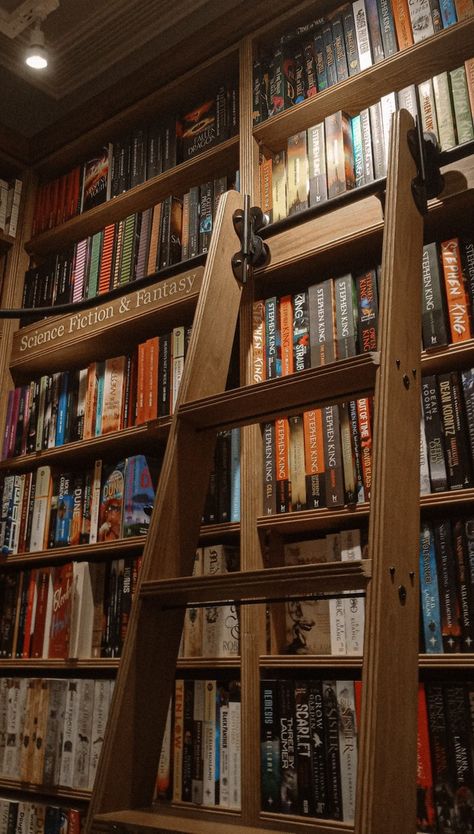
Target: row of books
(51, 730)
(213, 631)
(73, 610)
(353, 37)
(345, 152)
(18, 815)
(200, 755)
(324, 626)
(105, 397)
(448, 431)
(309, 751)
(308, 734)
(333, 319)
(174, 230)
(338, 317)
(10, 195)
(446, 585)
(322, 458)
(45, 508)
(145, 152)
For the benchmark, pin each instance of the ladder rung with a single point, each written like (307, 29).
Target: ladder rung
(267, 583)
(204, 821)
(313, 388)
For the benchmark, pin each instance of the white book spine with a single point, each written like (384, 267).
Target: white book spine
(362, 34)
(425, 483)
(198, 721)
(3, 724)
(17, 693)
(337, 614)
(40, 508)
(83, 735)
(427, 107)
(66, 768)
(224, 756)
(421, 20)
(354, 607)
(54, 731)
(234, 756)
(99, 723)
(389, 106)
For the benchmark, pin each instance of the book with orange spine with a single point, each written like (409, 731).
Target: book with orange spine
(106, 261)
(456, 291)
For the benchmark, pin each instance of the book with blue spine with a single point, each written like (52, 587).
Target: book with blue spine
(64, 511)
(100, 372)
(358, 150)
(139, 496)
(448, 13)
(62, 409)
(430, 608)
(320, 58)
(387, 27)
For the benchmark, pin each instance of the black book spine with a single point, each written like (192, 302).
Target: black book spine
(434, 434)
(310, 69)
(318, 758)
(270, 747)
(368, 310)
(154, 156)
(447, 586)
(333, 770)
(467, 381)
(434, 326)
(138, 157)
(333, 457)
(223, 475)
(457, 457)
(288, 769)
(169, 143)
(164, 370)
(342, 70)
(205, 216)
(387, 27)
(350, 38)
(329, 54)
(194, 209)
(303, 740)
(320, 59)
(187, 766)
(464, 585)
(460, 750)
(443, 787)
(300, 78)
(164, 251)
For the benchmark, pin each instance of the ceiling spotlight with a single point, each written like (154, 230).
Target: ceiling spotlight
(36, 56)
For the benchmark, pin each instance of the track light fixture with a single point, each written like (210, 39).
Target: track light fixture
(36, 56)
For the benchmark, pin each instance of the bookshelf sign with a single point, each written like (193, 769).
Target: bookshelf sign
(140, 302)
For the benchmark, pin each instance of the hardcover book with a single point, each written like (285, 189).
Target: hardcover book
(96, 179)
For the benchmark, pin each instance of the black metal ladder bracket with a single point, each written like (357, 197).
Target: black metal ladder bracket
(429, 181)
(253, 251)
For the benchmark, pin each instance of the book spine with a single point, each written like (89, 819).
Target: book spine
(444, 111)
(318, 187)
(387, 27)
(333, 457)
(430, 608)
(434, 434)
(331, 725)
(461, 106)
(303, 741)
(464, 584)
(448, 591)
(362, 34)
(457, 458)
(433, 307)
(269, 470)
(375, 33)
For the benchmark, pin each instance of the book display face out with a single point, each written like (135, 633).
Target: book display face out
(266, 718)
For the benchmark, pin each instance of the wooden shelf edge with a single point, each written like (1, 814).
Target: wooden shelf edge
(45, 790)
(29, 664)
(314, 387)
(310, 661)
(155, 429)
(80, 552)
(441, 662)
(152, 191)
(208, 663)
(210, 821)
(307, 520)
(258, 584)
(370, 84)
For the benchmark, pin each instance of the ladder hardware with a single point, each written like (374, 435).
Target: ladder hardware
(253, 251)
(429, 182)
(261, 600)
(402, 594)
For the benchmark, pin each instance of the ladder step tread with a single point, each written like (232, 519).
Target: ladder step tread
(267, 583)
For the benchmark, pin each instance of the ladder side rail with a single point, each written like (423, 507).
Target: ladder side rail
(129, 758)
(386, 796)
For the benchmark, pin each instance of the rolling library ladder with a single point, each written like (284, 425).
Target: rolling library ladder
(386, 795)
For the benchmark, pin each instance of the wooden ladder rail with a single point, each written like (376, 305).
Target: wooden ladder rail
(127, 772)
(386, 798)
